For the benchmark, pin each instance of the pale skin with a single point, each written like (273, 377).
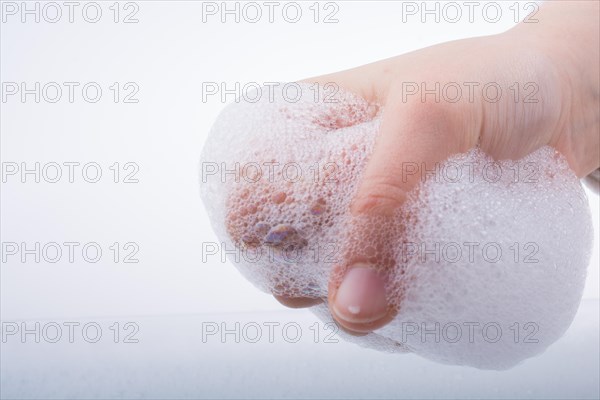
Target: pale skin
(559, 55)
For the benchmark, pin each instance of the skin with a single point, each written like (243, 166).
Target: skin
(559, 55)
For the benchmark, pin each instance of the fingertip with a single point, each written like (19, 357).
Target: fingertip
(298, 302)
(360, 303)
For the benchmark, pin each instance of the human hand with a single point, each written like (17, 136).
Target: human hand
(548, 77)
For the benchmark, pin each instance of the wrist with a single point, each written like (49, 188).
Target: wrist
(567, 34)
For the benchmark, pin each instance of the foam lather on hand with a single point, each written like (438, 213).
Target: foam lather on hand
(486, 262)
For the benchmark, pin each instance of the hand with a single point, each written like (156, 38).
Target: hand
(548, 75)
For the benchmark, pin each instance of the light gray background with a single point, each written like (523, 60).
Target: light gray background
(169, 53)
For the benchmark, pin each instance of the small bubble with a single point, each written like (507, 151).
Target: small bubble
(279, 234)
(278, 198)
(262, 228)
(318, 207)
(250, 240)
(283, 235)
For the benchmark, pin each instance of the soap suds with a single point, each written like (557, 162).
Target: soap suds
(486, 262)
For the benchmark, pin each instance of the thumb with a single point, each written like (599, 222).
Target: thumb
(414, 137)
(363, 292)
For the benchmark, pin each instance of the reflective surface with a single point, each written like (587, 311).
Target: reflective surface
(187, 356)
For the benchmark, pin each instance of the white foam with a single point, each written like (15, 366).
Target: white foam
(291, 229)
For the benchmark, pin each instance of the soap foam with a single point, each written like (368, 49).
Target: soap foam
(277, 181)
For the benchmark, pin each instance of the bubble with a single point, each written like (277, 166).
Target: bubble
(261, 229)
(318, 207)
(486, 261)
(283, 236)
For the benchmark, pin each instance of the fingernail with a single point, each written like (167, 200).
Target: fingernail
(361, 296)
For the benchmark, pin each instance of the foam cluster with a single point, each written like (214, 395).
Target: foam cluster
(485, 263)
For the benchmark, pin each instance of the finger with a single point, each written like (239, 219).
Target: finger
(298, 302)
(364, 291)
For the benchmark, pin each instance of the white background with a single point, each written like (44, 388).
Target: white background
(169, 53)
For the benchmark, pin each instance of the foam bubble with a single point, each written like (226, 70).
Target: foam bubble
(486, 262)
